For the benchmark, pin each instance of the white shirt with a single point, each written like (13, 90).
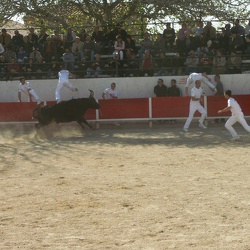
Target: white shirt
(110, 93)
(24, 88)
(235, 107)
(197, 93)
(63, 75)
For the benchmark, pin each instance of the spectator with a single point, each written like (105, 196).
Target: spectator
(247, 51)
(27, 45)
(247, 28)
(116, 66)
(17, 41)
(5, 39)
(40, 67)
(146, 44)
(119, 47)
(198, 29)
(182, 35)
(234, 63)
(236, 43)
(22, 56)
(3, 67)
(77, 49)
(120, 31)
(96, 67)
(89, 49)
(129, 47)
(97, 37)
(237, 28)
(209, 32)
(169, 37)
(29, 68)
(219, 63)
(35, 55)
(133, 65)
(56, 38)
(109, 41)
(223, 41)
(83, 34)
(160, 90)
(49, 49)
(33, 37)
(173, 91)
(110, 93)
(178, 64)
(147, 64)
(160, 64)
(42, 39)
(26, 89)
(191, 63)
(205, 63)
(13, 69)
(159, 45)
(69, 38)
(69, 60)
(10, 54)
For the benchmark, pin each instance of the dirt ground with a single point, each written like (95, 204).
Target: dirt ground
(124, 187)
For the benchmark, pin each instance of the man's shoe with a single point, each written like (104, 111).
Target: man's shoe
(185, 129)
(202, 125)
(235, 138)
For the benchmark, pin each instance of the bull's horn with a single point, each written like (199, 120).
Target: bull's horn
(91, 93)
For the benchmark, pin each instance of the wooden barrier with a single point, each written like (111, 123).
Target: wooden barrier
(134, 109)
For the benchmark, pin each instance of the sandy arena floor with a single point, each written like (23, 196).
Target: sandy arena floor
(128, 187)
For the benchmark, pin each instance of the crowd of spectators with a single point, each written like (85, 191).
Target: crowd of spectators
(116, 53)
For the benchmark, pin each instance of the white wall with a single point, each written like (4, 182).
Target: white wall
(129, 87)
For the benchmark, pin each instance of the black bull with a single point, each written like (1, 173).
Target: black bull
(66, 111)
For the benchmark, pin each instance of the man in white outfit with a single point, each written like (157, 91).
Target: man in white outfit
(237, 115)
(196, 97)
(202, 77)
(64, 81)
(26, 88)
(110, 93)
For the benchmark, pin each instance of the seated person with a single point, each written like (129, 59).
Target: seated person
(234, 63)
(191, 63)
(205, 63)
(95, 69)
(147, 64)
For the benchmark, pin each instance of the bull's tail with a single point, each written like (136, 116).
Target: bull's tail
(91, 93)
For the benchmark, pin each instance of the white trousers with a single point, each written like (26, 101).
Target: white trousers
(236, 118)
(34, 94)
(59, 87)
(195, 105)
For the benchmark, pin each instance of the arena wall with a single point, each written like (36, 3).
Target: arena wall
(129, 87)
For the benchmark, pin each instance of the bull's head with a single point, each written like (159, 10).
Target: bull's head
(94, 103)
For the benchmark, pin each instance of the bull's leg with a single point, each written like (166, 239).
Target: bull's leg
(81, 121)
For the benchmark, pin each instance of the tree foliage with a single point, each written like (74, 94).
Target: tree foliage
(133, 13)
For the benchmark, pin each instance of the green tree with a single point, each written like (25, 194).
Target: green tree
(133, 13)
